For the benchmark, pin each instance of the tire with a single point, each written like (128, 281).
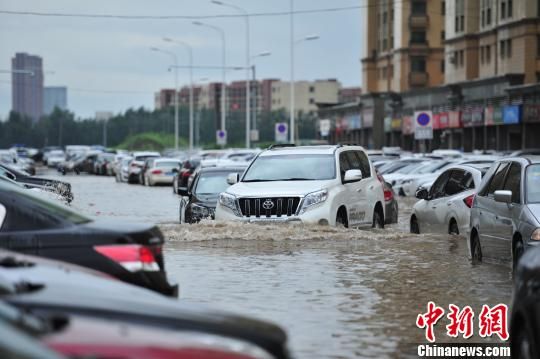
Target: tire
(341, 221)
(415, 228)
(378, 220)
(182, 212)
(453, 228)
(517, 252)
(476, 249)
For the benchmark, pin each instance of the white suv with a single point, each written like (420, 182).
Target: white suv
(328, 185)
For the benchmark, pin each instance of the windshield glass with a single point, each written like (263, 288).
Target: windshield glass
(292, 167)
(212, 183)
(410, 168)
(533, 184)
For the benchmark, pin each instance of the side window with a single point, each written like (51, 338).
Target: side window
(19, 220)
(468, 181)
(454, 184)
(344, 165)
(354, 161)
(438, 188)
(2, 215)
(364, 163)
(513, 182)
(497, 181)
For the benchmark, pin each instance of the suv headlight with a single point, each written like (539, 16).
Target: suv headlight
(228, 200)
(536, 235)
(314, 198)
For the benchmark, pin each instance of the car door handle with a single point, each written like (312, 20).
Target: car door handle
(359, 190)
(371, 187)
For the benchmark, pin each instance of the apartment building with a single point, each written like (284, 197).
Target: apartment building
(307, 95)
(27, 85)
(403, 45)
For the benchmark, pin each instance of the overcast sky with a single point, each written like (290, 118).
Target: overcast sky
(93, 55)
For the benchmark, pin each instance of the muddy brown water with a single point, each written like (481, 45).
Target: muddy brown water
(338, 293)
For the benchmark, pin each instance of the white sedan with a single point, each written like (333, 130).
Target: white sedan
(161, 171)
(446, 207)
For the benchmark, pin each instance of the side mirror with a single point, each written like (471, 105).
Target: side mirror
(503, 196)
(183, 191)
(233, 178)
(422, 193)
(352, 176)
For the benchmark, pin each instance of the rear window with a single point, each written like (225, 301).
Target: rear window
(533, 184)
(167, 164)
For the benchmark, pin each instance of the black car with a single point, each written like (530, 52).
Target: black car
(129, 252)
(59, 187)
(203, 194)
(51, 289)
(525, 317)
(181, 176)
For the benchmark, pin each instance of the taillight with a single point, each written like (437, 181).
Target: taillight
(134, 165)
(157, 172)
(388, 195)
(469, 200)
(132, 257)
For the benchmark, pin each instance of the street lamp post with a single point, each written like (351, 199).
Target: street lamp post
(248, 81)
(175, 59)
(262, 54)
(292, 106)
(191, 105)
(224, 65)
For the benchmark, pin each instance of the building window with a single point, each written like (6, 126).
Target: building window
(311, 101)
(443, 35)
(503, 9)
(443, 8)
(509, 48)
(418, 7)
(488, 17)
(502, 47)
(488, 54)
(443, 66)
(482, 49)
(538, 45)
(418, 37)
(460, 16)
(461, 58)
(510, 9)
(418, 64)
(311, 89)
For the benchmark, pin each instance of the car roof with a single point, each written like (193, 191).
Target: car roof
(307, 150)
(167, 159)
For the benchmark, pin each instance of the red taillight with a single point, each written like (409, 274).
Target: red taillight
(134, 165)
(388, 195)
(186, 174)
(157, 172)
(133, 257)
(469, 201)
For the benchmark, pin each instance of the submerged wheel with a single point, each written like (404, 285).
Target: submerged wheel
(453, 228)
(341, 220)
(415, 228)
(378, 221)
(476, 249)
(517, 253)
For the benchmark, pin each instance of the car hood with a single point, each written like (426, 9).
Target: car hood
(206, 200)
(277, 188)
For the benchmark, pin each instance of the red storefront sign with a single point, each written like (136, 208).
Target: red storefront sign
(454, 119)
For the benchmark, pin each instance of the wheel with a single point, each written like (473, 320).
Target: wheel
(378, 221)
(517, 253)
(415, 228)
(341, 220)
(453, 228)
(476, 249)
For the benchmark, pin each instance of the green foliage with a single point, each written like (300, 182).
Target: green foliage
(142, 129)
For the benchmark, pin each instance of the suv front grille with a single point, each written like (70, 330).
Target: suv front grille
(269, 206)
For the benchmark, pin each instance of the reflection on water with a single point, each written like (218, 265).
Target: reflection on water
(339, 293)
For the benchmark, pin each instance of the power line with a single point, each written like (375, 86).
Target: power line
(178, 17)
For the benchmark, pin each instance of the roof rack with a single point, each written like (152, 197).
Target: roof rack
(347, 144)
(281, 145)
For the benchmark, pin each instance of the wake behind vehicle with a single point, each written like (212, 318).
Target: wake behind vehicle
(130, 252)
(327, 185)
(505, 216)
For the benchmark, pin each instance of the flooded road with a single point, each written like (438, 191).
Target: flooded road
(339, 293)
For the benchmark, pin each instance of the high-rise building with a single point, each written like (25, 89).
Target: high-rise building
(27, 85)
(307, 95)
(403, 45)
(54, 97)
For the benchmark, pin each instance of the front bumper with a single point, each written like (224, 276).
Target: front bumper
(319, 214)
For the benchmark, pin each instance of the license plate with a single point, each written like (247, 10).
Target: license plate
(169, 174)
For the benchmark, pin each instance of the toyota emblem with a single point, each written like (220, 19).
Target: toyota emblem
(268, 204)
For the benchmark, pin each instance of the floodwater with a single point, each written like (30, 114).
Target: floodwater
(339, 293)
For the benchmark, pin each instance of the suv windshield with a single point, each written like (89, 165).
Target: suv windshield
(292, 168)
(212, 183)
(533, 184)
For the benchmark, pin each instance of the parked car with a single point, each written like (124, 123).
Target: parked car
(92, 310)
(180, 180)
(101, 162)
(136, 165)
(122, 169)
(55, 157)
(332, 185)
(146, 165)
(391, 204)
(200, 201)
(130, 252)
(160, 171)
(445, 208)
(61, 188)
(524, 321)
(505, 216)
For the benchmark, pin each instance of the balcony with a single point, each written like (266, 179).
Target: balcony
(418, 79)
(418, 21)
